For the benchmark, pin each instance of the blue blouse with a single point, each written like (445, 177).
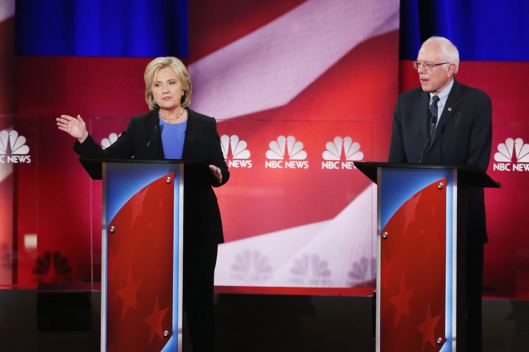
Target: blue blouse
(173, 135)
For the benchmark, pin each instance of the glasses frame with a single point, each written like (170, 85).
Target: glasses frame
(427, 65)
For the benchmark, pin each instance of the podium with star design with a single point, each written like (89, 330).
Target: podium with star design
(421, 243)
(141, 282)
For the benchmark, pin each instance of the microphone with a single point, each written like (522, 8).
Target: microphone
(432, 120)
(156, 127)
(427, 144)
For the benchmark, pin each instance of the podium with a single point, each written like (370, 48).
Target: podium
(421, 241)
(142, 246)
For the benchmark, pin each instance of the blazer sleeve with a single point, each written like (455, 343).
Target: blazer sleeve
(216, 157)
(397, 153)
(91, 149)
(130, 143)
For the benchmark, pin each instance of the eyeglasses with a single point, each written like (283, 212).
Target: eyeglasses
(428, 66)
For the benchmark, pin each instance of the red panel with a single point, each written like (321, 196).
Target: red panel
(412, 297)
(140, 266)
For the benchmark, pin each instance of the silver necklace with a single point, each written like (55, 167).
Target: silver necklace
(166, 119)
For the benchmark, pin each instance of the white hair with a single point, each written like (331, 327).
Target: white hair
(447, 48)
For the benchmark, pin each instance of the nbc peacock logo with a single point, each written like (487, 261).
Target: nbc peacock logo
(340, 154)
(286, 153)
(513, 155)
(235, 151)
(13, 148)
(107, 142)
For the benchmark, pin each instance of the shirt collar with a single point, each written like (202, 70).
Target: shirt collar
(443, 95)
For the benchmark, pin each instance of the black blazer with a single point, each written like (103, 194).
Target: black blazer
(142, 140)
(463, 136)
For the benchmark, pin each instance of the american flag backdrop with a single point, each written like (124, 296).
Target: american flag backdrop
(292, 121)
(300, 90)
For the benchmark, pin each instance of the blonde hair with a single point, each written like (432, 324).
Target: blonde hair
(181, 72)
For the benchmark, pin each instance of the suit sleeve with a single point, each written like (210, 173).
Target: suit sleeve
(480, 143)
(397, 153)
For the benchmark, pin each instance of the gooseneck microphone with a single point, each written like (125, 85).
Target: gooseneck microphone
(156, 127)
(425, 146)
(432, 120)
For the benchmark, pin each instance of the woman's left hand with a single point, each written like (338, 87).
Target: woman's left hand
(216, 171)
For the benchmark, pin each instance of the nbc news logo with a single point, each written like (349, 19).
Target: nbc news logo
(335, 159)
(513, 155)
(286, 153)
(107, 142)
(239, 154)
(13, 148)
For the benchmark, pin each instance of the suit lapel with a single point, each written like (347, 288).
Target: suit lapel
(448, 111)
(422, 114)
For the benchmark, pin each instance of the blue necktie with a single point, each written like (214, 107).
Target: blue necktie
(433, 115)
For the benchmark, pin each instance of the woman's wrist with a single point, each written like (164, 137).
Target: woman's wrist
(83, 137)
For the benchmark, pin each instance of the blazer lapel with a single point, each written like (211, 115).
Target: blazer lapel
(154, 136)
(191, 132)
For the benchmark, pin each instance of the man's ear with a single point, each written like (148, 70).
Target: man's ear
(451, 70)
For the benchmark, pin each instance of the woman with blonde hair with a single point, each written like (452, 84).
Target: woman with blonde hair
(171, 130)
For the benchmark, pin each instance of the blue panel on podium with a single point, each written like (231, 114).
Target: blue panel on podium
(401, 184)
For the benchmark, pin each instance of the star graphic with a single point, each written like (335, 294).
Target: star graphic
(128, 294)
(155, 320)
(401, 301)
(427, 328)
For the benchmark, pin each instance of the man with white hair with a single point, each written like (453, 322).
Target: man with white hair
(446, 122)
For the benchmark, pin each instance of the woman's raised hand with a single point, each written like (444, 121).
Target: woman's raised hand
(75, 127)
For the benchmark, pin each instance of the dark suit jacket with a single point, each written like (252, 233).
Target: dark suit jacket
(142, 140)
(463, 136)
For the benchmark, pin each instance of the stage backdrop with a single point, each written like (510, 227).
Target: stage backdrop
(296, 106)
(300, 90)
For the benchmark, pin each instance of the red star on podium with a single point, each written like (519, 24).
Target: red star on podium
(155, 321)
(401, 301)
(128, 294)
(427, 328)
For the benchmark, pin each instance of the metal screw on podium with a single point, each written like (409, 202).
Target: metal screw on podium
(440, 185)
(112, 229)
(385, 235)
(165, 333)
(168, 179)
(439, 340)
